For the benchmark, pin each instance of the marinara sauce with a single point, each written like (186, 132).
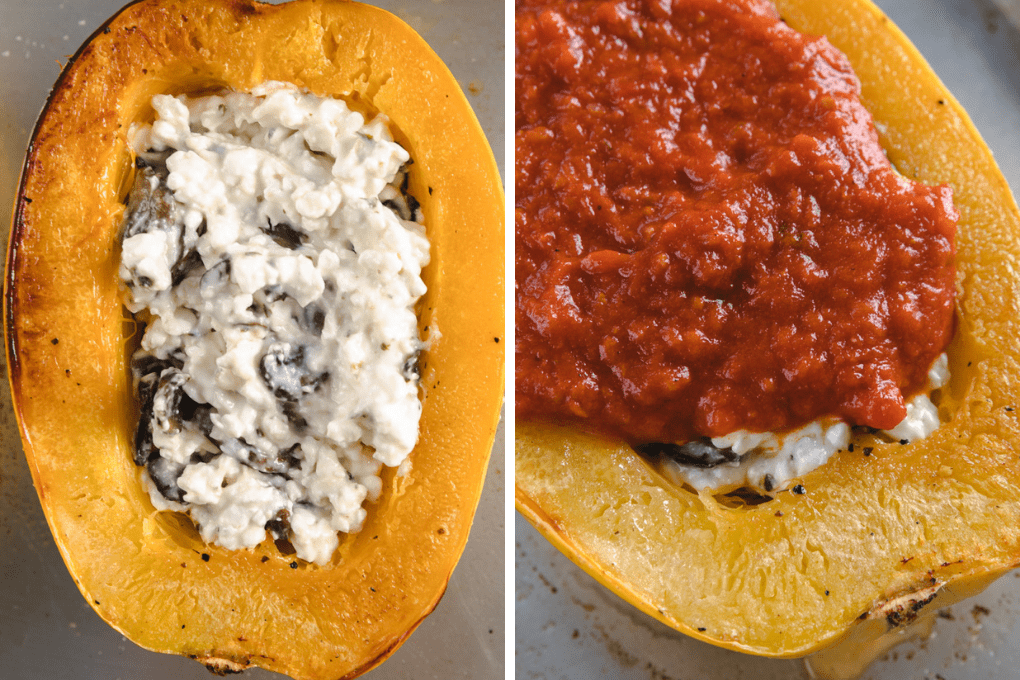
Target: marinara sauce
(709, 236)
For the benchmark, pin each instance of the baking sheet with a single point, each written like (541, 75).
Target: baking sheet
(570, 627)
(46, 628)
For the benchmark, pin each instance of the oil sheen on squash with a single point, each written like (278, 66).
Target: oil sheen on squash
(709, 234)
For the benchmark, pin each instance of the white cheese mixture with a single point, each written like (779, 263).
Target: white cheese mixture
(278, 370)
(770, 461)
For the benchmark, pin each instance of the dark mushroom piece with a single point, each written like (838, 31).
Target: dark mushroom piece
(697, 453)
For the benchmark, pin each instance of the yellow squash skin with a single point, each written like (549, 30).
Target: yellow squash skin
(148, 574)
(874, 538)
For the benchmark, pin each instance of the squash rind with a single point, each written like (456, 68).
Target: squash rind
(143, 571)
(869, 530)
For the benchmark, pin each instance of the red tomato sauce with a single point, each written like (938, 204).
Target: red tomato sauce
(709, 235)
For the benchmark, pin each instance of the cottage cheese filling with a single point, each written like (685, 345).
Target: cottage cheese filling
(771, 461)
(271, 248)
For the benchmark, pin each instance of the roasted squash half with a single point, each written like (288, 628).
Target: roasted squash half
(148, 574)
(876, 540)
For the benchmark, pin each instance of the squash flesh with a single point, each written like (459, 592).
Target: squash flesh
(142, 571)
(942, 509)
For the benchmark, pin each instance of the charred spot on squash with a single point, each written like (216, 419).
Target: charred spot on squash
(903, 611)
(221, 667)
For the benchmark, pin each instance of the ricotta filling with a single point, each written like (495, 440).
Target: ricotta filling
(771, 461)
(272, 250)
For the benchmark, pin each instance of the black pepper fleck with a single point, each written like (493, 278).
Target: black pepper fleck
(293, 565)
(826, 593)
(27, 199)
(497, 340)
(868, 450)
(54, 341)
(904, 442)
(106, 30)
(942, 102)
(850, 447)
(701, 630)
(205, 557)
(799, 489)
(430, 191)
(1009, 408)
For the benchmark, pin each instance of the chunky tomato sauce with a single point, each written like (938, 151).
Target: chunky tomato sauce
(709, 235)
